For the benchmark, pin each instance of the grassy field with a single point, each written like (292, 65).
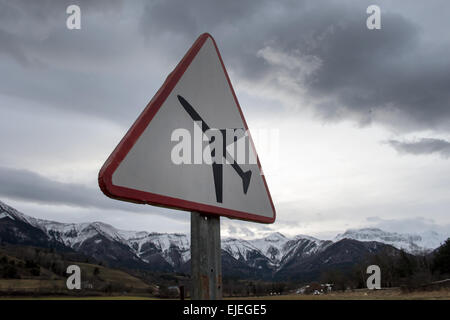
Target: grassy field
(65, 298)
(11, 285)
(50, 284)
(387, 294)
(106, 275)
(102, 283)
(113, 276)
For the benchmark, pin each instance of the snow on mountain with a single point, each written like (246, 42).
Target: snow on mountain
(431, 239)
(74, 234)
(238, 248)
(129, 235)
(412, 243)
(276, 248)
(309, 245)
(163, 242)
(272, 246)
(301, 247)
(12, 213)
(5, 215)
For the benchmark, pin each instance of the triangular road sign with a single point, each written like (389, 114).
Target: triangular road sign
(197, 95)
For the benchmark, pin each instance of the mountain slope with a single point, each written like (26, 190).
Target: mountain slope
(340, 255)
(272, 256)
(16, 229)
(411, 243)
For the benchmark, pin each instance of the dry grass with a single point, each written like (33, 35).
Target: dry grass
(113, 276)
(62, 298)
(365, 294)
(30, 284)
(386, 294)
(52, 283)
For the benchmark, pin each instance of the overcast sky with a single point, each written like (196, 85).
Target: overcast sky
(363, 116)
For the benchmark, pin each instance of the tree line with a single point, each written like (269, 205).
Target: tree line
(397, 270)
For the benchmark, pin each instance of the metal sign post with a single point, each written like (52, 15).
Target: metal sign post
(206, 262)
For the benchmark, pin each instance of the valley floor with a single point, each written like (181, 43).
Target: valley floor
(386, 294)
(365, 294)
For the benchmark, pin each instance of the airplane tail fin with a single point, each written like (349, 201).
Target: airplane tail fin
(246, 180)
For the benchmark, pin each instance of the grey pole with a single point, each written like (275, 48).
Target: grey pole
(206, 262)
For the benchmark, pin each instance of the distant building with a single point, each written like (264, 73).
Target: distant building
(315, 288)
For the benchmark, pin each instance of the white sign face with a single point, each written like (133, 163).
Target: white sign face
(189, 149)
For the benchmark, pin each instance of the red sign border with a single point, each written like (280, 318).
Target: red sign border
(138, 127)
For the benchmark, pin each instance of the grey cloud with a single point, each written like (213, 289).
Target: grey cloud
(235, 230)
(422, 146)
(25, 185)
(30, 186)
(193, 17)
(409, 225)
(373, 76)
(12, 48)
(84, 71)
(368, 76)
(113, 66)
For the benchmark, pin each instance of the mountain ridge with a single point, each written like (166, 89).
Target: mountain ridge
(270, 255)
(421, 243)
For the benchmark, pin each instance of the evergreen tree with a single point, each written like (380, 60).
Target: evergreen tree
(441, 262)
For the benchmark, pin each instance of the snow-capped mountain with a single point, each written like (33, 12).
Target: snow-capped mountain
(275, 247)
(173, 248)
(272, 247)
(412, 243)
(268, 255)
(93, 238)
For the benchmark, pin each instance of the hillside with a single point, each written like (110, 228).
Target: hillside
(32, 270)
(272, 257)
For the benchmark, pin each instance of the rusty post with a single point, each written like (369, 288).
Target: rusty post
(181, 288)
(206, 263)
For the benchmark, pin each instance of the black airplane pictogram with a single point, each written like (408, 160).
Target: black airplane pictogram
(218, 167)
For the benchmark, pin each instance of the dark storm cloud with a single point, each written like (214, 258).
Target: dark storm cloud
(25, 185)
(422, 146)
(388, 75)
(375, 76)
(67, 71)
(194, 17)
